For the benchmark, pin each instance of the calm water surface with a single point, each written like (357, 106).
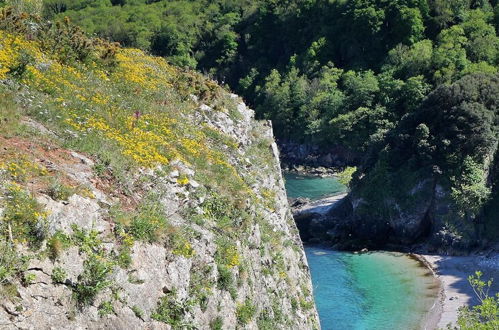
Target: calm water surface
(371, 291)
(311, 186)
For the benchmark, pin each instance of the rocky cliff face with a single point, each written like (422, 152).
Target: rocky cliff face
(135, 195)
(421, 218)
(263, 283)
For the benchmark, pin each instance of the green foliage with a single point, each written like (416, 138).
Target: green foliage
(87, 240)
(66, 41)
(172, 311)
(106, 308)
(10, 262)
(23, 219)
(245, 312)
(201, 286)
(93, 279)
(28, 278)
(227, 253)
(459, 122)
(226, 280)
(10, 115)
(138, 312)
(179, 241)
(484, 316)
(33, 7)
(470, 191)
(148, 223)
(224, 210)
(345, 176)
(59, 275)
(253, 46)
(217, 324)
(306, 304)
(59, 191)
(57, 243)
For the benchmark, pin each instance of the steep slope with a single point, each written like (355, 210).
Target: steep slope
(136, 195)
(433, 179)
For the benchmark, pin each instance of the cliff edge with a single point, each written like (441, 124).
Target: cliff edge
(136, 195)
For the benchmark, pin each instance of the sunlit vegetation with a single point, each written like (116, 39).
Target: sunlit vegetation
(485, 315)
(144, 124)
(353, 74)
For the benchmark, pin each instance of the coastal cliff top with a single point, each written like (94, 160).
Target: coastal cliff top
(129, 195)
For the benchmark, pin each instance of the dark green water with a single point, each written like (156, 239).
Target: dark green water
(371, 291)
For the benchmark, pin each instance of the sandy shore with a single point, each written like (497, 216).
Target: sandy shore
(455, 291)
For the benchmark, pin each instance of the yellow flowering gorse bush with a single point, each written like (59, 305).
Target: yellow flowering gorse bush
(90, 100)
(21, 169)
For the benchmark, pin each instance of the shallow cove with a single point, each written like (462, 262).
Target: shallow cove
(370, 291)
(313, 187)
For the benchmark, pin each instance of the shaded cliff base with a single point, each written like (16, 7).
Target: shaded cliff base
(311, 158)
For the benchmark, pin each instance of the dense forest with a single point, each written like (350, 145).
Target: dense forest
(409, 86)
(324, 71)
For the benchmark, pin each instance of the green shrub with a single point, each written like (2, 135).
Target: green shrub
(470, 191)
(227, 253)
(245, 312)
(218, 208)
(106, 308)
(306, 305)
(172, 311)
(226, 280)
(147, 224)
(9, 291)
(180, 243)
(10, 262)
(59, 191)
(28, 278)
(10, 114)
(484, 316)
(23, 219)
(93, 279)
(137, 311)
(59, 275)
(200, 285)
(56, 244)
(124, 259)
(217, 324)
(345, 176)
(265, 321)
(88, 241)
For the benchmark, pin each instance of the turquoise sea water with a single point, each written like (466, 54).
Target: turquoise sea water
(370, 291)
(312, 187)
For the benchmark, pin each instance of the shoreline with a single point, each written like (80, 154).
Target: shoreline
(432, 318)
(451, 273)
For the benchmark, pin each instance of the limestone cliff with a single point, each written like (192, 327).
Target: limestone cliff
(135, 195)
